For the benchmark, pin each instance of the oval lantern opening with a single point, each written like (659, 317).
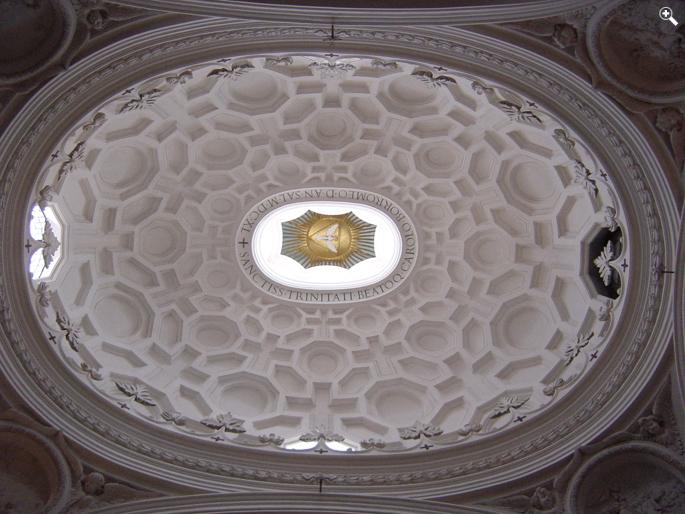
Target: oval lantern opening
(326, 245)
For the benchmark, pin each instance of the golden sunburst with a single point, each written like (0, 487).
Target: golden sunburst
(315, 239)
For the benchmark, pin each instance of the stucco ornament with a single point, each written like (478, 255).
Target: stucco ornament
(31, 57)
(541, 500)
(631, 54)
(638, 471)
(671, 121)
(634, 55)
(38, 470)
(42, 473)
(649, 479)
(651, 426)
(98, 14)
(657, 425)
(96, 492)
(564, 31)
(250, 322)
(93, 484)
(564, 35)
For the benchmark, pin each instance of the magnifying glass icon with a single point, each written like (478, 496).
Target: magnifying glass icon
(666, 14)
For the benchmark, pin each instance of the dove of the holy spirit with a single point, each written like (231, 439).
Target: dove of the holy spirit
(330, 238)
(315, 239)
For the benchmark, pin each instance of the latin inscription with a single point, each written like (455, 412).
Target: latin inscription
(393, 280)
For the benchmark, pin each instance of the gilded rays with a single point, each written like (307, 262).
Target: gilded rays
(315, 239)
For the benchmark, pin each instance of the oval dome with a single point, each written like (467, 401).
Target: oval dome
(170, 316)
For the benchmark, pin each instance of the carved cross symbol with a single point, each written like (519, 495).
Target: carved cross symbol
(426, 446)
(321, 451)
(28, 246)
(593, 355)
(218, 438)
(519, 419)
(52, 338)
(128, 91)
(624, 265)
(439, 68)
(224, 60)
(332, 36)
(54, 155)
(123, 405)
(242, 243)
(603, 174)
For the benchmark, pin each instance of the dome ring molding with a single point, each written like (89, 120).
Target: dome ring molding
(542, 443)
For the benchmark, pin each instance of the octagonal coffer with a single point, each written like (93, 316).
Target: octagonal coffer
(326, 245)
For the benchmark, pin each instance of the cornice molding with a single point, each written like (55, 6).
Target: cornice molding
(245, 503)
(462, 15)
(542, 443)
(679, 339)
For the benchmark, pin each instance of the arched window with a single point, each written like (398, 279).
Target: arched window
(46, 232)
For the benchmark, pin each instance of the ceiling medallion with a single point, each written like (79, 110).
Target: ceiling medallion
(326, 245)
(315, 239)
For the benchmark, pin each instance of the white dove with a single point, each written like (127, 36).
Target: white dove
(328, 238)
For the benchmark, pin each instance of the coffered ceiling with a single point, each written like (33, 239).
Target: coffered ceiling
(523, 314)
(496, 322)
